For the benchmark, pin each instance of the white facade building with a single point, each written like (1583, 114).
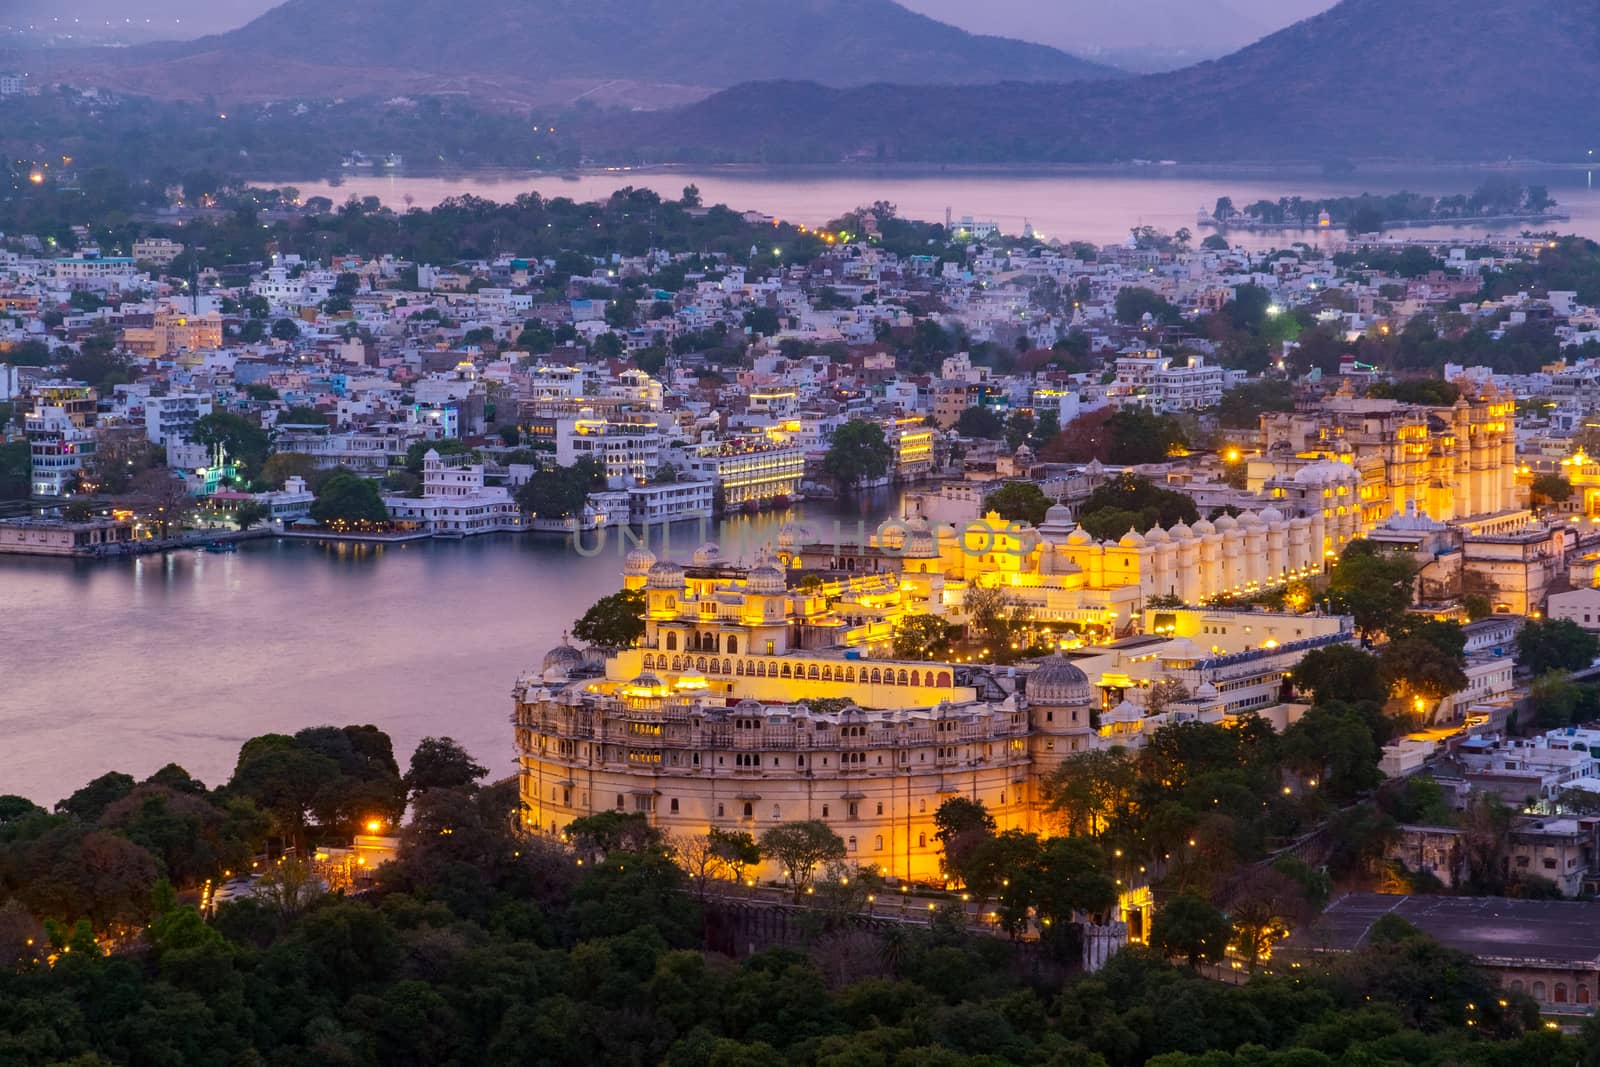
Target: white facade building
(454, 501)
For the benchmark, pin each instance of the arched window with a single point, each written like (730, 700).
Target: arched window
(785, 671)
(1538, 991)
(761, 670)
(749, 810)
(1583, 993)
(827, 674)
(877, 843)
(700, 664)
(902, 677)
(672, 641)
(850, 844)
(776, 814)
(1516, 985)
(944, 678)
(648, 660)
(733, 644)
(877, 676)
(922, 840)
(1561, 993)
(677, 663)
(812, 673)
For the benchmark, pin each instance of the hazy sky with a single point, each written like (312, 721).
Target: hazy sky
(1075, 25)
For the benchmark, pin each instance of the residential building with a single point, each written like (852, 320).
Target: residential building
(455, 502)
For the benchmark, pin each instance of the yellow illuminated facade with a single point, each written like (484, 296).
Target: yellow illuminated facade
(746, 705)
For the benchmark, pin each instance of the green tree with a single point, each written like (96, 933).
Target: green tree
(961, 828)
(1555, 645)
(441, 763)
(613, 622)
(347, 499)
(800, 848)
(251, 513)
(1333, 744)
(281, 466)
(1018, 502)
(1188, 927)
(857, 453)
(1134, 303)
(1418, 670)
(1372, 586)
(561, 492)
(981, 422)
(285, 330)
(1341, 672)
(243, 439)
(921, 636)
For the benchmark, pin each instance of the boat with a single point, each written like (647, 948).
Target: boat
(221, 546)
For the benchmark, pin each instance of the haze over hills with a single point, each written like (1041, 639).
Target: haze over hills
(309, 48)
(1401, 79)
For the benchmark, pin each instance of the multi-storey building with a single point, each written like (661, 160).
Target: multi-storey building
(628, 452)
(172, 417)
(732, 712)
(1447, 462)
(454, 501)
(751, 471)
(174, 331)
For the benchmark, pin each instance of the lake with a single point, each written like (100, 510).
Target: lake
(1087, 205)
(127, 665)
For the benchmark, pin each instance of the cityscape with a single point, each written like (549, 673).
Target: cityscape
(479, 590)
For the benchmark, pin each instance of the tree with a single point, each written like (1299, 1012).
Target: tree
(921, 636)
(284, 779)
(982, 422)
(347, 499)
(1131, 502)
(90, 802)
(1372, 586)
(1134, 303)
(1555, 699)
(613, 622)
(858, 452)
(799, 848)
(251, 513)
(160, 497)
(1341, 672)
(963, 826)
(1189, 928)
(281, 466)
(1332, 744)
(441, 763)
(1018, 502)
(1555, 645)
(1071, 877)
(243, 439)
(1091, 790)
(285, 330)
(561, 492)
(1418, 670)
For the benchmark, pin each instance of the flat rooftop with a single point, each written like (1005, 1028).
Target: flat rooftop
(1490, 928)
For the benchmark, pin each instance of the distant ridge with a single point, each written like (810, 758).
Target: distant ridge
(551, 50)
(1401, 79)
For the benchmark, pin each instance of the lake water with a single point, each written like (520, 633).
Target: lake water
(1097, 206)
(127, 665)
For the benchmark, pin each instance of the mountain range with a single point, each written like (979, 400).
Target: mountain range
(637, 53)
(1400, 79)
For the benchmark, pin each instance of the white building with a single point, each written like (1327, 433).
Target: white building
(650, 505)
(172, 417)
(59, 447)
(1581, 606)
(627, 452)
(454, 501)
(289, 504)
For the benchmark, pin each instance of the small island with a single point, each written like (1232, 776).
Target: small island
(1498, 200)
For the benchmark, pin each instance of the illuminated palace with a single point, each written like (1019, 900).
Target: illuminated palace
(748, 703)
(1448, 462)
(1058, 573)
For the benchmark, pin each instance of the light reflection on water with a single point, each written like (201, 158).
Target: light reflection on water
(126, 665)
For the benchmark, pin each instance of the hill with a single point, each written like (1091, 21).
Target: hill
(1401, 79)
(522, 48)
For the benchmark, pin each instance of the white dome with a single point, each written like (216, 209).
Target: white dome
(1058, 513)
(563, 657)
(765, 580)
(707, 555)
(1181, 532)
(1078, 537)
(1156, 536)
(1204, 528)
(1131, 539)
(1270, 515)
(639, 561)
(1226, 522)
(666, 575)
(1057, 682)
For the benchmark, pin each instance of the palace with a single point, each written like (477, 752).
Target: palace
(740, 708)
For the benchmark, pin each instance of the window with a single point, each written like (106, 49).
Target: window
(720, 812)
(749, 810)
(922, 807)
(619, 801)
(1538, 991)
(672, 639)
(850, 844)
(880, 807)
(776, 814)
(824, 811)
(922, 840)
(877, 846)
(673, 806)
(1561, 993)
(851, 809)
